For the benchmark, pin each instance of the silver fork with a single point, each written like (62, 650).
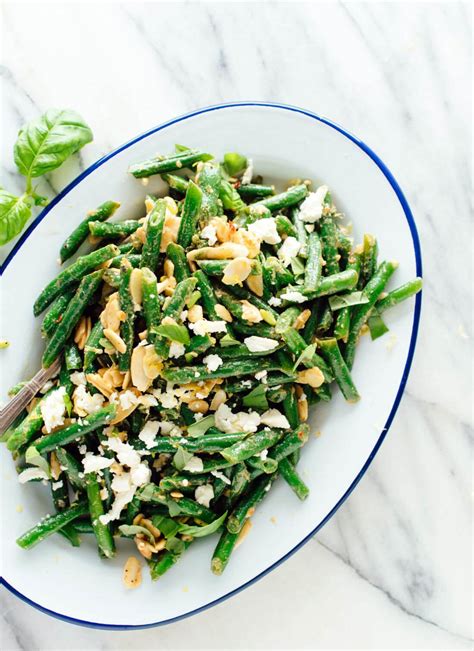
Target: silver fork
(23, 397)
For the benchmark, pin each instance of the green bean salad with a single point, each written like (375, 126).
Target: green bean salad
(192, 342)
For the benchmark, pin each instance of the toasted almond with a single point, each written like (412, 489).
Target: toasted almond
(168, 268)
(138, 518)
(126, 380)
(148, 524)
(112, 316)
(250, 313)
(223, 313)
(198, 406)
(145, 547)
(143, 335)
(136, 288)
(116, 340)
(195, 314)
(139, 377)
(170, 286)
(132, 573)
(99, 383)
(170, 230)
(302, 403)
(255, 284)
(176, 494)
(249, 240)
(82, 331)
(55, 467)
(312, 376)
(226, 251)
(219, 398)
(301, 319)
(152, 364)
(237, 271)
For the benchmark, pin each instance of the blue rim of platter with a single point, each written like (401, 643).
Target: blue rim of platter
(416, 318)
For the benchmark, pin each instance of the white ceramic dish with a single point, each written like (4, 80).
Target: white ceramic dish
(284, 142)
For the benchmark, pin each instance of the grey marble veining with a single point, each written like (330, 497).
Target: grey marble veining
(391, 569)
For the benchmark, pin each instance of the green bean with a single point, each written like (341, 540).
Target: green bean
(208, 297)
(275, 274)
(83, 526)
(372, 290)
(126, 327)
(325, 319)
(332, 354)
(222, 552)
(187, 374)
(290, 408)
(181, 294)
(189, 217)
(76, 431)
(209, 180)
(273, 380)
(71, 275)
(341, 327)
(181, 482)
(254, 190)
(368, 260)
(60, 492)
(399, 294)
(284, 226)
(27, 429)
(258, 329)
(114, 229)
(165, 562)
(161, 164)
(178, 183)
(72, 357)
(154, 232)
(246, 295)
(230, 197)
(71, 466)
(187, 506)
(377, 326)
(151, 305)
(312, 274)
(292, 478)
(218, 267)
(266, 466)
(176, 254)
(69, 532)
(208, 443)
(92, 347)
(80, 233)
(199, 344)
(253, 444)
(129, 247)
(240, 351)
(248, 502)
(334, 284)
(55, 313)
(310, 325)
(134, 259)
(301, 232)
(292, 441)
(50, 524)
(329, 245)
(286, 319)
(83, 296)
(105, 541)
(286, 199)
(296, 344)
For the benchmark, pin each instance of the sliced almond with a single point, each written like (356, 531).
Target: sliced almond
(168, 267)
(55, 467)
(152, 364)
(99, 383)
(82, 331)
(219, 398)
(170, 230)
(116, 340)
(136, 288)
(301, 319)
(312, 376)
(112, 316)
(198, 406)
(195, 314)
(250, 313)
(255, 284)
(237, 271)
(249, 240)
(132, 573)
(126, 380)
(122, 412)
(223, 313)
(226, 251)
(139, 378)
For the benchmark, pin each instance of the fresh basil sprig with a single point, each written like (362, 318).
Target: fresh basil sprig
(42, 146)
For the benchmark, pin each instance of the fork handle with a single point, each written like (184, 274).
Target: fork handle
(23, 397)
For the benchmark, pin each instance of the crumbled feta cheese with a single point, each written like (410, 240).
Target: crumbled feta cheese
(274, 301)
(126, 454)
(149, 432)
(168, 400)
(82, 449)
(248, 174)
(78, 378)
(140, 475)
(56, 485)
(260, 344)
(147, 400)
(261, 375)
(176, 349)
(127, 399)
(263, 455)
(94, 463)
(84, 401)
(227, 421)
(266, 230)
(212, 362)
(104, 493)
(309, 228)
(198, 417)
(312, 207)
(53, 408)
(289, 250)
(247, 422)
(209, 233)
(273, 418)
(203, 327)
(46, 387)
(121, 500)
(32, 473)
(204, 494)
(194, 464)
(219, 475)
(184, 315)
(294, 297)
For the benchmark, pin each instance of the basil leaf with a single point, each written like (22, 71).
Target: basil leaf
(173, 508)
(44, 144)
(234, 163)
(230, 197)
(201, 426)
(176, 332)
(305, 356)
(181, 458)
(297, 267)
(377, 326)
(175, 546)
(168, 527)
(33, 457)
(145, 494)
(14, 213)
(131, 530)
(256, 398)
(206, 530)
(180, 148)
(345, 300)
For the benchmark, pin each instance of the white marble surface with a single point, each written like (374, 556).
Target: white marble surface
(392, 569)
